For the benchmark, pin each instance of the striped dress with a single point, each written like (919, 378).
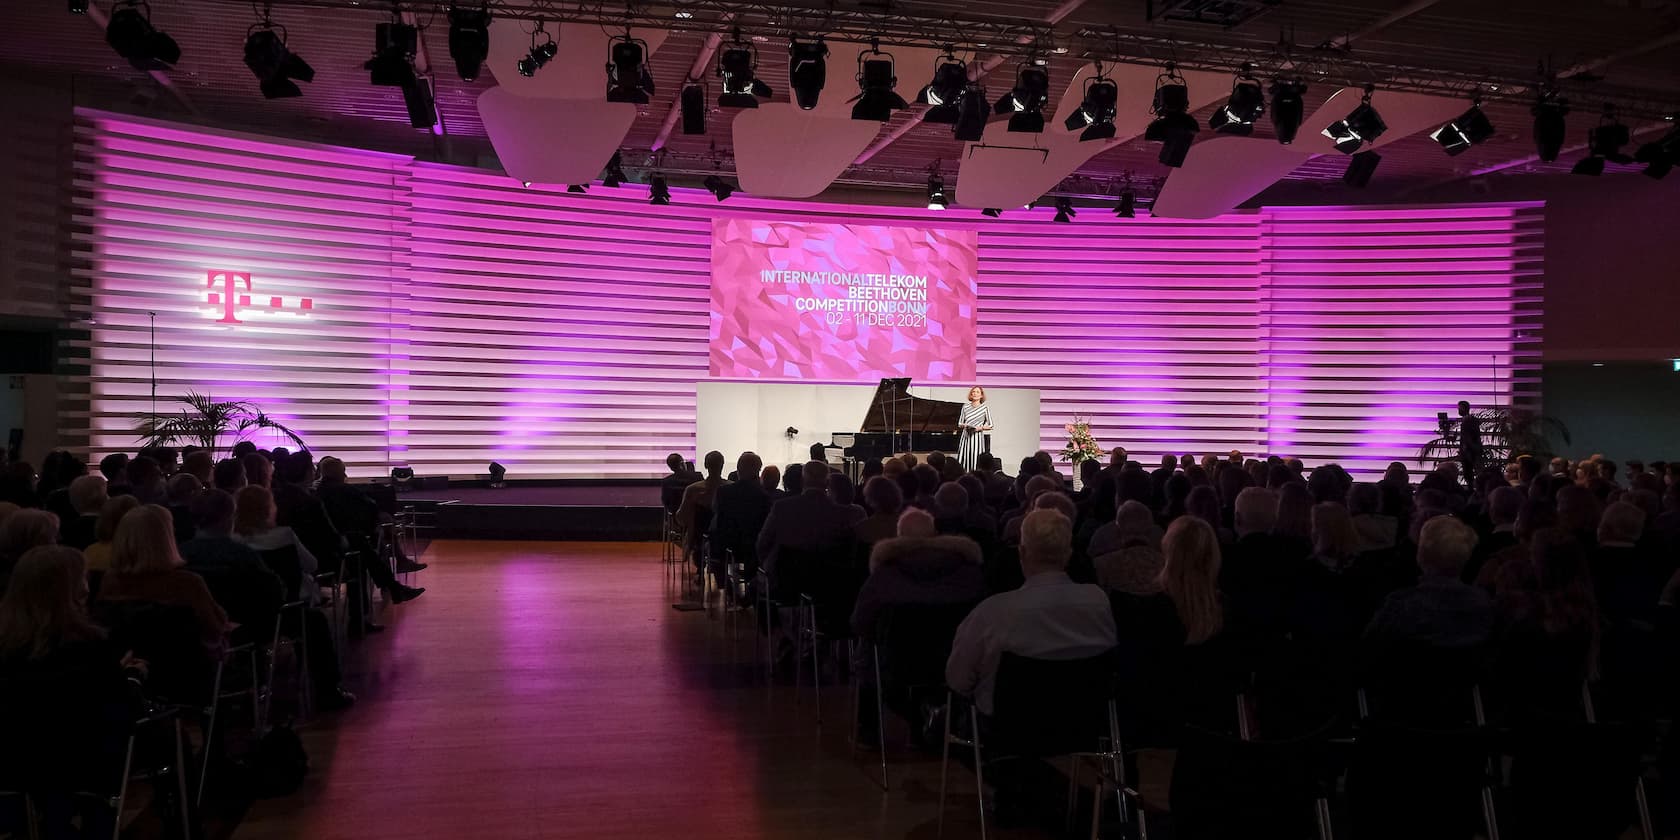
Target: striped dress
(973, 443)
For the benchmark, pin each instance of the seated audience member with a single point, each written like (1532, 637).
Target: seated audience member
(1578, 512)
(927, 483)
(228, 476)
(1335, 540)
(819, 453)
(1048, 617)
(147, 482)
(98, 555)
(700, 496)
(980, 517)
(86, 495)
(23, 530)
(354, 511)
(258, 469)
(145, 566)
(1175, 495)
(793, 480)
(242, 448)
(249, 591)
(1034, 487)
(1441, 610)
(305, 512)
(1627, 580)
(17, 485)
(738, 513)
(671, 487)
(1126, 553)
(843, 492)
(1271, 586)
(885, 502)
(115, 469)
(950, 509)
(251, 524)
(918, 567)
(1158, 481)
(808, 521)
(771, 479)
(1379, 529)
(1293, 527)
(1548, 627)
(1503, 505)
(183, 488)
(200, 464)
(1203, 503)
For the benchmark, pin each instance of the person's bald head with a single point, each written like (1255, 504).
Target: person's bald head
(815, 475)
(916, 523)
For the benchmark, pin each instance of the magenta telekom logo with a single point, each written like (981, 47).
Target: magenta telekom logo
(232, 292)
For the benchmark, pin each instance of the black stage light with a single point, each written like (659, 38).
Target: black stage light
(807, 71)
(1245, 105)
(1173, 127)
(1065, 211)
(577, 189)
(658, 193)
(469, 40)
(1604, 143)
(628, 78)
(945, 91)
(1362, 126)
(615, 171)
(78, 7)
(1589, 165)
(278, 69)
(694, 108)
(1096, 110)
(1468, 129)
(498, 475)
(1360, 168)
(543, 50)
(972, 112)
(417, 97)
(877, 79)
(738, 67)
(936, 198)
(1127, 208)
(401, 476)
(393, 55)
(131, 34)
(718, 187)
(1288, 108)
(1025, 102)
(1549, 127)
(992, 212)
(1660, 155)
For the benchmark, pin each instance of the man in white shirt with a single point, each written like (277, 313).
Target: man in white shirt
(1048, 617)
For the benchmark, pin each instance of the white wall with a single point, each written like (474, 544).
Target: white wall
(733, 417)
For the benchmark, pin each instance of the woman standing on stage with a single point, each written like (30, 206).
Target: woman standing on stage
(976, 420)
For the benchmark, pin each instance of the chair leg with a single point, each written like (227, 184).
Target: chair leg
(306, 684)
(1490, 817)
(816, 670)
(186, 805)
(944, 762)
(1645, 827)
(122, 791)
(1073, 787)
(881, 719)
(209, 738)
(979, 773)
(798, 652)
(1321, 809)
(255, 692)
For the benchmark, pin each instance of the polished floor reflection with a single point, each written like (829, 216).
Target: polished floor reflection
(549, 690)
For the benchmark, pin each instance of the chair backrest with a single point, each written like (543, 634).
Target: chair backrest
(63, 725)
(1051, 706)
(283, 561)
(915, 641)
(1406, 782)
(1590, 768)
(1224, 786)
(1421, 685)
(180, 669)
(813, 571)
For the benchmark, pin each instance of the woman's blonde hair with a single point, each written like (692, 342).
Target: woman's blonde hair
(111, 514)
(1191, 577)
(981, 390)
(145, 542)
(253, 510)
(1333, 534)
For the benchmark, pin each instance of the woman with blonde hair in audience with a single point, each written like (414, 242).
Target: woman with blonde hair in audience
(1190, 578)
(105, 530)
(23, 530)
(146, 567)
(1335, 540)
(254, 525)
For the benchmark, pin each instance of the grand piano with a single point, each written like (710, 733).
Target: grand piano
(898, 422)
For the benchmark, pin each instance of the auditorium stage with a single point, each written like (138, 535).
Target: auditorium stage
(593, 510)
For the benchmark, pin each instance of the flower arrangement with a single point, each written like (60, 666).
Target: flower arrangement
(1081, 446)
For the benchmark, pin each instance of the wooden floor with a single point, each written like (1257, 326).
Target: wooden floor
(549, 690)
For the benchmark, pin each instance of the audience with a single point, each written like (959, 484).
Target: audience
(1441, 610)
(885, 501)
(738, 514)
(808, 521)
(146, 567)
(918, 567)
(1126, 553)
(86, 496)
(98, 555)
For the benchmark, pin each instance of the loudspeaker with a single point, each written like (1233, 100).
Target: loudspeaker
(1360, 167)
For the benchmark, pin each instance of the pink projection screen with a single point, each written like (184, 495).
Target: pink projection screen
(841, 302)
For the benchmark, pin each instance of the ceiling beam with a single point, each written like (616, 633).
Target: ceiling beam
(1639, 49)
(97, 17)
(1056, 16)
(1342, 42)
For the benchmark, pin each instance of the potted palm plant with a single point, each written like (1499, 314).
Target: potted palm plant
(206, 422)
(1507, 433)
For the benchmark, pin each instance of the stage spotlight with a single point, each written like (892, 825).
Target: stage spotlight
(1549, 127)
(659, 195)
(1604, 143)
(278, 69)
(614, 172)
(1360, 168)
(401, 476)
(877, 79)
(628, 78)
(393, 55)
(807, 71)
(972, 113)
(131, 34)
(1025, 102)
(1245, 105)
(417, 98)
(1173, 127)
(993, 212)
(1127, 208)
(945, 91)
(469, 40)
(1660, 156)
(1288, 108)
(577, 189)
(718, 187)
(936, 198)
(694, 108)
(1065, 211)
(1096, 110)
(1470, 128)
(1362, 126)
(543, 49)
(738, 67)
(498, 475)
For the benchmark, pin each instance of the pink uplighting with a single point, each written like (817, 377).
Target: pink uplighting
(443, 317)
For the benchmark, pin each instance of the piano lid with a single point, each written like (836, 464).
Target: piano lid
(895, 410)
